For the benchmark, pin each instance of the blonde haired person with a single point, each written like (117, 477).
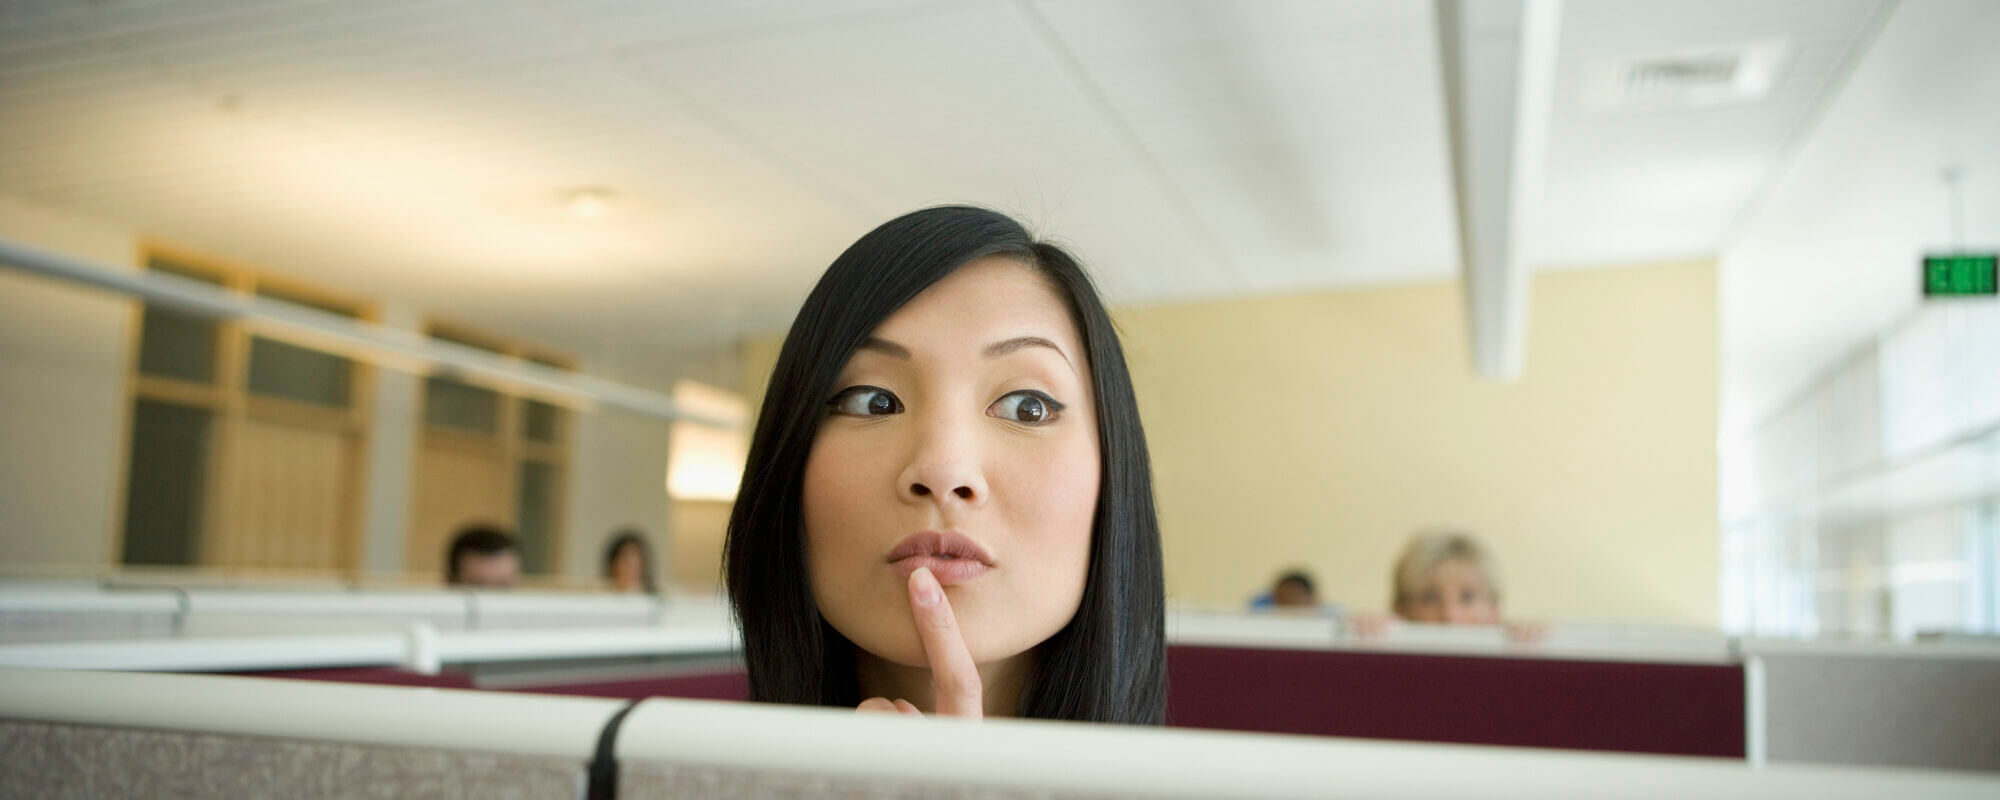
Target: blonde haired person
(1447, 578)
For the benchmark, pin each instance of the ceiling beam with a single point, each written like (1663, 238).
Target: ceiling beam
(394, 348)
(1498, 59)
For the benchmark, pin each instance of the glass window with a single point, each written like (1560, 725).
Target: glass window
(453, 403)
(176, 344)
(449, 403)
(536, 523)
(164, 490)
(539, 422)
(280, 369)
(1985, 596)
(284, 370)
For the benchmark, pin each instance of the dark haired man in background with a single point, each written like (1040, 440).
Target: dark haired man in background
(482, 556)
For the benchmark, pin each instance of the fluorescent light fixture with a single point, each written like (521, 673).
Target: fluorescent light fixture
(706, 462)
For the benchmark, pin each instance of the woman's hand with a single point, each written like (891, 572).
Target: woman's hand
(1365, 625)
(955, 678)
(1526, 632)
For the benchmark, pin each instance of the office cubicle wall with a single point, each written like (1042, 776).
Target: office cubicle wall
(1621, 688)
(682, 748)
(101, 734)
(1935, 706)
(93, 734)
(1532, 701)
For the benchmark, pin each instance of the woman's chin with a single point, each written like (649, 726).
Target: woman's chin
(906, 649)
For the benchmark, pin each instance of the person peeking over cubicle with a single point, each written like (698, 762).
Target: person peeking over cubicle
(628, 563)
(482, 556)
(948, 506)
(1445, 578)
(1448, 578)
(1293, 593)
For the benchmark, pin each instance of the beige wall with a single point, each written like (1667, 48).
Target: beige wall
(63, 351)
(699, 528)
(619, 479)
(1321, 429)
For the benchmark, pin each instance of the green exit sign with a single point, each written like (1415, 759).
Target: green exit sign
(1957, 275)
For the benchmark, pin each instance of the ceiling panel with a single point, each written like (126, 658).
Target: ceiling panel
(1194, 149)
(1308, 136)
(1633, 185)
(961, 103)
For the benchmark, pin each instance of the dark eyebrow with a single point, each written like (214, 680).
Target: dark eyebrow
(885, 347)
(998, 349)
(994, 350)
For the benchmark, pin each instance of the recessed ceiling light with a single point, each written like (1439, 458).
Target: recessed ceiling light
(589, 203)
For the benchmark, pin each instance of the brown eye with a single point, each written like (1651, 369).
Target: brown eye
(865, 401)
(1027, 407)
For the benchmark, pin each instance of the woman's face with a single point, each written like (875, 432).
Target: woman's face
(628, 568)
(967, 417)
(1454, 593)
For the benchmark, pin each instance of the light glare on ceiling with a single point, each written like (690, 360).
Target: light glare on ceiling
(590, 204)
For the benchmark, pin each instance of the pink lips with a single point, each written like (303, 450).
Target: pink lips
(951, 556)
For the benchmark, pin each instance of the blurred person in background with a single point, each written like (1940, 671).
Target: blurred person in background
(482, 556)
(1293, 593)
(1445, 578)
(628, 563)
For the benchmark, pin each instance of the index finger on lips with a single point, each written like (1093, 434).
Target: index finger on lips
(959, 692)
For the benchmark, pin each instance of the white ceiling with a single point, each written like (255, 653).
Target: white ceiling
(421, 149)
(1827, 261)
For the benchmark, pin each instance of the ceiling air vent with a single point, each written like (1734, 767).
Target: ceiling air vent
(1681, 74)
(1684, 78)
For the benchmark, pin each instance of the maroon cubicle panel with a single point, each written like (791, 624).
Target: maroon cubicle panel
(1676, 709)
(720, 684)
(384, 676)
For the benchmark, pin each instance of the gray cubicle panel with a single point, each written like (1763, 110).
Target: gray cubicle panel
(103, 734)
(46, 611)
(1932, 706)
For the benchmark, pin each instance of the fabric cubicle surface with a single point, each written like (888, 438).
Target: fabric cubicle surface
(106, 734)
(1930, 705)
(1692, 709)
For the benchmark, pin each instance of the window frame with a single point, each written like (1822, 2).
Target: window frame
(229, 399)
(509, 443)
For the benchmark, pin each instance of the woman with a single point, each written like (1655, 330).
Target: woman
(1446, 577)
(948, 504)
(628, 563)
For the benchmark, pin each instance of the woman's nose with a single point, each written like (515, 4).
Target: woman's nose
(944, 466)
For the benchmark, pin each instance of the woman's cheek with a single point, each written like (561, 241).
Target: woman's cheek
(836, 506)
(1065, 509)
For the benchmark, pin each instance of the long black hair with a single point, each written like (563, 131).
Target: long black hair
(1109, 663)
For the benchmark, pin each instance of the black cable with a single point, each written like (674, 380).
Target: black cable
(604, 765)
